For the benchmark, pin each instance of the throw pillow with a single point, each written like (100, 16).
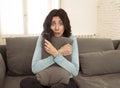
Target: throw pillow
(19, 55)
(97, 63)
(55, 74)
(57, 42)
(86, 45)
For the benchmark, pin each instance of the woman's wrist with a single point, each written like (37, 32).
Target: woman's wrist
(59, 51)
(56, 53)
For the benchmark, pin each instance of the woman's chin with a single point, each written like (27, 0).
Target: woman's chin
(57, 35)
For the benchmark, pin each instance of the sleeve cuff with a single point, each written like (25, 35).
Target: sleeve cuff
(59, 58)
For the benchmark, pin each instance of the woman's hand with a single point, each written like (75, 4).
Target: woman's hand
(65, 50)
(49, 48)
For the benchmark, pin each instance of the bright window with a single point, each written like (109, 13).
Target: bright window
(24, 16)
(37, 12)
(11, 17)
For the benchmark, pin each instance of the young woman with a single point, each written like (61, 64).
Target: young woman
(56, 24)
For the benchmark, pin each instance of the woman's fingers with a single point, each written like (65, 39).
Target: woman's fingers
(46, 41)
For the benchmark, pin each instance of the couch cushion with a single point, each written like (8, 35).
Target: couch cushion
(14, 82)
(19, 55)
(2, 71)
(94, 44)
(97, 63)
(99, 81)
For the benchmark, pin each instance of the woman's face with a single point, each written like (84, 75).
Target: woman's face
(57, 26)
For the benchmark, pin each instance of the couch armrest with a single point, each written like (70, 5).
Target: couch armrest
(2, 71)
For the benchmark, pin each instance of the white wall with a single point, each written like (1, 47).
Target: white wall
(82, 14)
(108, 23)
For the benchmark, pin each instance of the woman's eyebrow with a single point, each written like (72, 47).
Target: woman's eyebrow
(53, 21)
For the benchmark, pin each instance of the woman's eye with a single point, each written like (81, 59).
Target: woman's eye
(61, 23)
(52, 23)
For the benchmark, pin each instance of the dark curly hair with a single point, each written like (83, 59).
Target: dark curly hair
(47, 32)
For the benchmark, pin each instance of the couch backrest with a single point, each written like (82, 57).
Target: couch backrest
(19, 55)
(99, 56)
(21, 45)
(86, 45)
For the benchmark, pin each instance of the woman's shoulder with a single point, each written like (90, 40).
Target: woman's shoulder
(40, 37)
(72, 37)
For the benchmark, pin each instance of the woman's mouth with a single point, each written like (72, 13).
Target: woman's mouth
(57, 33)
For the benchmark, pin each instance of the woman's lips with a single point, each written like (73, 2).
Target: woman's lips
(57, 33)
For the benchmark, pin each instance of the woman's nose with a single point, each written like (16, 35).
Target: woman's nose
(57, 27)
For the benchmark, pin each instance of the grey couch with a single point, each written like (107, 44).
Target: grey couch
(99, 62)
